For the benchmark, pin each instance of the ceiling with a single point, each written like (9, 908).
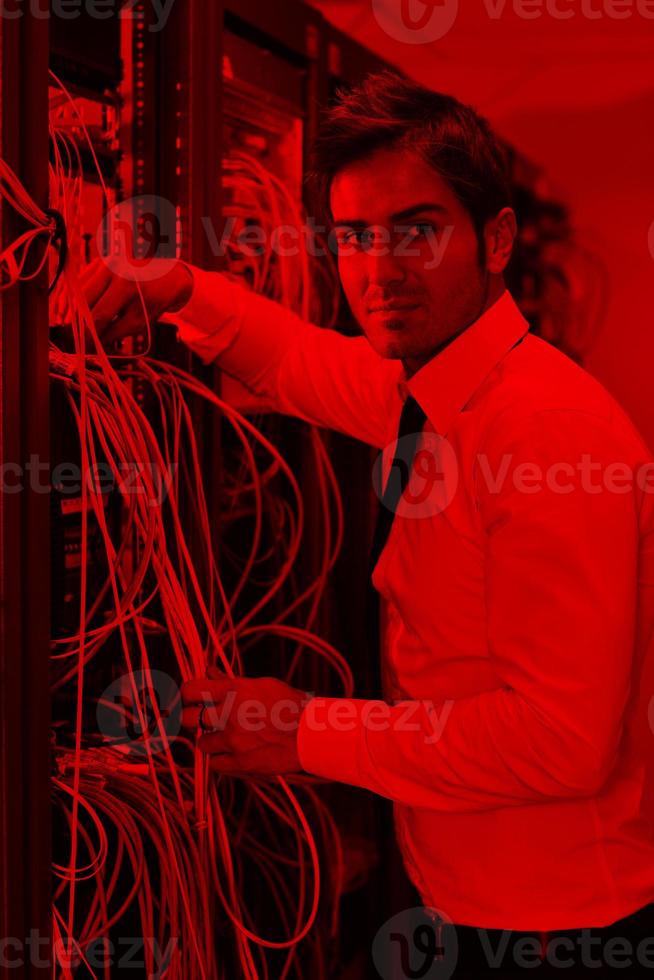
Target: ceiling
(504, 62)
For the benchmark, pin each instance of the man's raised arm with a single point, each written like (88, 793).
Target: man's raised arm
(293, 366)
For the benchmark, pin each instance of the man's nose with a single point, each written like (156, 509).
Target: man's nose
(384, 267)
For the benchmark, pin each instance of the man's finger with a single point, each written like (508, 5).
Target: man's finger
(131, 321)
(95, 280)
(127, 325)
(115, 299)
(190, 718)
(202, 690)
(88, 269)
(227, 765)
(213, 742)
(205, 716)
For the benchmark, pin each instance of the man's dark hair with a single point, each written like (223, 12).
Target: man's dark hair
(389, 111)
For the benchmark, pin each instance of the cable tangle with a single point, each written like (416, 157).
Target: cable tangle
(148, 843)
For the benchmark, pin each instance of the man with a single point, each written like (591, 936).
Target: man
(517, 566)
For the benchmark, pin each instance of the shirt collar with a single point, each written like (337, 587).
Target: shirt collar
(444, 385)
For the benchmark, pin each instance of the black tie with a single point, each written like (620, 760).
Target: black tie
(412, 420)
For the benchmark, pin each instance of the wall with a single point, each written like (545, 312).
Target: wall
(602, 159)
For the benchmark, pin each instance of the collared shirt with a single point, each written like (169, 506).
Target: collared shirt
(518, 581)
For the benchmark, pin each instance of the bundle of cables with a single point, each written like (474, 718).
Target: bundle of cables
(148, 836)
(42, 229)
(293, 266)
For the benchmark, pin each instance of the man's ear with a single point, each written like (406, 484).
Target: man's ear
(499, 235)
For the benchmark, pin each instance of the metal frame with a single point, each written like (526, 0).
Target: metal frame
(25, 819)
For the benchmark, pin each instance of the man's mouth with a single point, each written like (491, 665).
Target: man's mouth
(393, 307)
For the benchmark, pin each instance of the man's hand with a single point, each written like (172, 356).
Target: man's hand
(117, 296)
(254, 722)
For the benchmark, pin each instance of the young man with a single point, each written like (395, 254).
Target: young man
(517, 567)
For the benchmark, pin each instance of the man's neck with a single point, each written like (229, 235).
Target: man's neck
(492, 293)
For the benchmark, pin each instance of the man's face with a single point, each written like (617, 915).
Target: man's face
(407, 255)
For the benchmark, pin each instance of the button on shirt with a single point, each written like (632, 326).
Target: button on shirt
(518, 586)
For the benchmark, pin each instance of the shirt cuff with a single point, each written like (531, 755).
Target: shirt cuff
(208, 322)
(330, 733)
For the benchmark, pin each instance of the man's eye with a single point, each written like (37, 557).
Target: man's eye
(361, 237)
(421, 228)
(353, 236)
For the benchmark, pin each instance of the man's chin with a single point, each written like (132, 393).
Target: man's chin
(389, 348)
(390, 352)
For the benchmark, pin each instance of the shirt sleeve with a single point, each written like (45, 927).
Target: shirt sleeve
(561, 588)
(293, 367)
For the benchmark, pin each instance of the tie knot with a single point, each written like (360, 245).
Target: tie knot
(412, 418)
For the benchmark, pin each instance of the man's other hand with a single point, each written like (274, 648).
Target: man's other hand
(248, 725)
